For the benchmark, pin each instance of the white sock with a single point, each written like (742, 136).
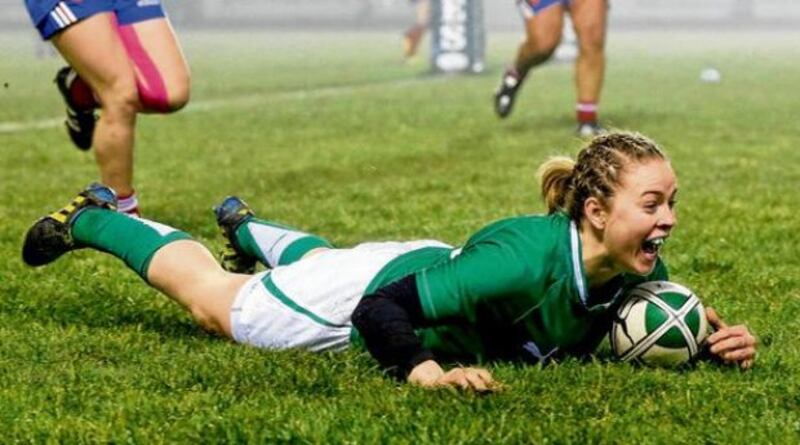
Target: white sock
(129, 205)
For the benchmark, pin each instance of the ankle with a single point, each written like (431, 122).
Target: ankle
(128, 204)
(586, 112)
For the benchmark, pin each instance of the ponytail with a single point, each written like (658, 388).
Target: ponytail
(555, 176)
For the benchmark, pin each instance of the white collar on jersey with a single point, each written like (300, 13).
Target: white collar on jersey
(577, 262)
(577, 268)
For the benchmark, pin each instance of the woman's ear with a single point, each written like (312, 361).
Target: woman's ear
(595, 213)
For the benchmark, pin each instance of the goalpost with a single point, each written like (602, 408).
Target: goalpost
(458, 36)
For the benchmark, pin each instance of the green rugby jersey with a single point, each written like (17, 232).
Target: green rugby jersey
(515, 291)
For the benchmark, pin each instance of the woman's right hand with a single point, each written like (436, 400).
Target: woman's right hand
(429, 374)
(731, 344)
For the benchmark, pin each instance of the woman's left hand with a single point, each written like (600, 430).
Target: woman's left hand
(731, 344)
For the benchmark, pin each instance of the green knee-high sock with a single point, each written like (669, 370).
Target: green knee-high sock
(275, 244)
(132, 240)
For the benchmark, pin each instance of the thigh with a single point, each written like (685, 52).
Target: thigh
(543, 21)
(154, 49)
(186, 272)
(589, 17)
(93, 48)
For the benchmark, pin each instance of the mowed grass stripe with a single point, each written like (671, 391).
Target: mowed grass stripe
(242, 101)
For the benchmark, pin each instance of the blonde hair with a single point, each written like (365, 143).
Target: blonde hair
(566, 183)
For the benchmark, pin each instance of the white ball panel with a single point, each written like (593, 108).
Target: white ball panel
(667, 357)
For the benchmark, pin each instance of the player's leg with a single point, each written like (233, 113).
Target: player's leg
(157, 80)
(413, 36)
(188, 273)
(590, 20)
(250, 239)
(162, 74)
(81, 105)
(78, 96)
(164, 257)
(542, 35)
(93, 49)
(543, 24)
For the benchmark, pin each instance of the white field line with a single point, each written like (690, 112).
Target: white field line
(236, 102)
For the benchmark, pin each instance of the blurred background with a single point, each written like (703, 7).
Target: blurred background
(499, 14)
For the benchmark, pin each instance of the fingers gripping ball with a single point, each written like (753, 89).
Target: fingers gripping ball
(660, 323)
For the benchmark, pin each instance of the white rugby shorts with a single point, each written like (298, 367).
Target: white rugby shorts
(308, 304)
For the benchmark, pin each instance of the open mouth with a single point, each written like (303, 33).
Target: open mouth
(653, 245)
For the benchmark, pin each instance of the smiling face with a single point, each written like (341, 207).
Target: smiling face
(640, 216)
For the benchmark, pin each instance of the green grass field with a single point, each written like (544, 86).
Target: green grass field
(330, 132)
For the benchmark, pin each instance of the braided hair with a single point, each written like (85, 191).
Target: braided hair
(567, 184)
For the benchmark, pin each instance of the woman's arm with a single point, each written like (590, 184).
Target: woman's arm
(387, 321)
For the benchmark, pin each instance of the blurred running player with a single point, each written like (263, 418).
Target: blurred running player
(543, 26)
(413, 36)
(124, 59)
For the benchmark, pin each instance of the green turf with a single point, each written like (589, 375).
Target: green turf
(331, 133)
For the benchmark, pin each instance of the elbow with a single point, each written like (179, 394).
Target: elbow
(361, 314)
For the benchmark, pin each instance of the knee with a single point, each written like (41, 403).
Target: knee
(591, 40)
(543, 45)
(120, 96)
(205, 319)
(540, 53)
(172, 97)
(178, 97)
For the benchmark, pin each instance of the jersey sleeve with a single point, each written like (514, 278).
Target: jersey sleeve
(483, 272)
